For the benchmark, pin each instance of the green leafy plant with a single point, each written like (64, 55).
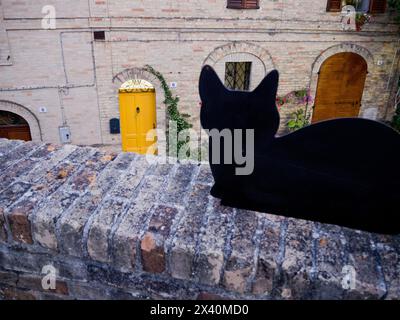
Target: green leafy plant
(396, 119)
(361, 19)
(298, 119)
(297, 97)
(395, 124)
(171, 103)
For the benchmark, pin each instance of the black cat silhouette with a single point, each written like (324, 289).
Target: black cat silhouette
(343, 171)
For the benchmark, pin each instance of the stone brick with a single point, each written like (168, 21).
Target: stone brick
(161, 169)
(97, 243)
(12, 293)
(297, 265)
(210, 258)
(8, 278)
(179, 183)
(153, 242)
(131, 179)
(267, 264)
(47, 164)
(24, 166)
(19, 213)
(35, 283)
(368, 282)
(205, 175)
(22, 261)
(129, 231)
(389, 254)
(20, 152)
(188, 231)
(210, 296)
(3, 231)
(109, 213)
(240, 263)
(7, 146)
(45, 219)
(331, 261)
(20, 226)
(72, 223)
(13, 193)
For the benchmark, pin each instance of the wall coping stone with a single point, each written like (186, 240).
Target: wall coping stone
(117, 227)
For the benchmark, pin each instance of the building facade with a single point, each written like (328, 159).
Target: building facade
(62, 62)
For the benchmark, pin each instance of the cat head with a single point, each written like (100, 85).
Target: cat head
(223, 108)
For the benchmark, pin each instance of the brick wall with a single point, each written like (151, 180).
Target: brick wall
(72, 76)
(116, 226)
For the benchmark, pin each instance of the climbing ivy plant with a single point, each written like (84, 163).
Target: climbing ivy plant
(171, 103)
(395, 123)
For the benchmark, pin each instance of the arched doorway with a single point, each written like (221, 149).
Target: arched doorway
(138, 116)
(340, 87)
(14, 127)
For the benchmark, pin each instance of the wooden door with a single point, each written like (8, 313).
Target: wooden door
(138, 117)
(340, 87)
(15, 132)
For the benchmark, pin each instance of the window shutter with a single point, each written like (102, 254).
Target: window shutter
(334, 6)
(377, 6)
(243, 4)
(251, 4)
(235, 4)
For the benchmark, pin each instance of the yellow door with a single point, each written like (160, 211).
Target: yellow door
(138, 117)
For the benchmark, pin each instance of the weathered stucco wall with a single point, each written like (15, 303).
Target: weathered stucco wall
(119, 227)
(72, 75)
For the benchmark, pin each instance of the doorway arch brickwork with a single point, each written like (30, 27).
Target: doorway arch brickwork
(20, 110)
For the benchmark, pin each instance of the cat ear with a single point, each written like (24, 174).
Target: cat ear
(210, 85)
(268, 88)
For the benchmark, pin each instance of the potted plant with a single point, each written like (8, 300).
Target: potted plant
(298, 119)
(361, 19)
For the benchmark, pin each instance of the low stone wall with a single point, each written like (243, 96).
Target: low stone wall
(118, 227)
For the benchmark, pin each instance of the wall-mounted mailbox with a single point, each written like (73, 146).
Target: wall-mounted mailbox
(114, 126)
(65, 134)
